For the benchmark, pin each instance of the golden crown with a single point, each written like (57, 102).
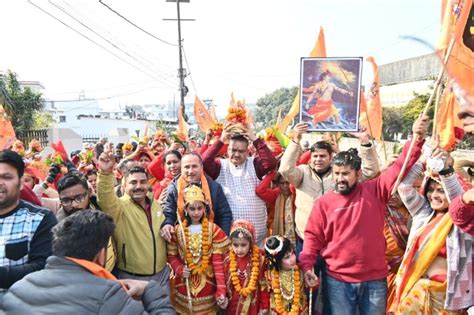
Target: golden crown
(193, 193)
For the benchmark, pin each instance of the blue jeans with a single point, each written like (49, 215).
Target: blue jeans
(365, 298)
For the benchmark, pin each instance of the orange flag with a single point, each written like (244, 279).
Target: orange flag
(447, 120)
(202, 116)
(182, 131)
(363, 112)
(7, 133)
(319, 50)
(374, 107)
(456, 25)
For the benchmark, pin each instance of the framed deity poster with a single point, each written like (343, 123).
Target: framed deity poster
(330, 93)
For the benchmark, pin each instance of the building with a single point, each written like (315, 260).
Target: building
(399, 80)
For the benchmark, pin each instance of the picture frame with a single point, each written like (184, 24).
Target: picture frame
(330, 93)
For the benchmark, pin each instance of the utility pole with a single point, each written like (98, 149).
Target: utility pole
(183, 89)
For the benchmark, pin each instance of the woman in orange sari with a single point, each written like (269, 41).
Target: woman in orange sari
(435, 276)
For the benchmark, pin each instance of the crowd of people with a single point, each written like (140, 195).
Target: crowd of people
(237, 224)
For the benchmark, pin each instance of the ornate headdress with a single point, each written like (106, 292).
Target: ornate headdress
(192, 194)
(243, 228)
(275, 249)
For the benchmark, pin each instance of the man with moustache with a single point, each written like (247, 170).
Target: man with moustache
(141, 251)
(314, 179)
(346, 228)
(25, 229)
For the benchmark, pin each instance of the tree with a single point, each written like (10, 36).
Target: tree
(20, 103)
(413, 109)
(267, 107)
(42, 120)
(392, 122)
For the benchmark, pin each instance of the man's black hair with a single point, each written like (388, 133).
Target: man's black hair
(83, 234)
(91, 172)
(239, 137)
(348, 158)
(321, 145)
(14, 159)
(72, 179)
(135, 169)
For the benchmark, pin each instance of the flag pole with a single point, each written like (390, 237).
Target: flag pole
(436, 109)
(188, 288)
(425, 111)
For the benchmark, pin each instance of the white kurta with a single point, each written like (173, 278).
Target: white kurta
(239, 184)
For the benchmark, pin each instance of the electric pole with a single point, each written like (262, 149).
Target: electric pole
(183, 89)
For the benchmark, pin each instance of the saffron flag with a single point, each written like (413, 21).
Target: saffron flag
(319, 50)
(7, 133)
(458, 25)
(202, 116)
(447, 120)
(182, 131)
(59, 148)
(374, 106)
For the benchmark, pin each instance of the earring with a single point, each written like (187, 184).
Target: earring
(185, 213)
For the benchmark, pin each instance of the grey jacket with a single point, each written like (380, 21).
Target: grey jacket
(65, 287)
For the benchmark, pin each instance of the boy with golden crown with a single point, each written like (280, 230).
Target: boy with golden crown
(245, 266)
(285, 279)
(196, 255)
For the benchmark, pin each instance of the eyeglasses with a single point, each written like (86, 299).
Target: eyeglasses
(77, 199)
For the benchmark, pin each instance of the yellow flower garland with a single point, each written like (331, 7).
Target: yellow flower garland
(252, 284)
(277, 293)
(195, 269)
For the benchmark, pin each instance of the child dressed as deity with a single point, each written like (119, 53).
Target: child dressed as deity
(285, 279)
(196, 255)
(246, 284)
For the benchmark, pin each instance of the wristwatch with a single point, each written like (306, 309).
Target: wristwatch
(45, 185)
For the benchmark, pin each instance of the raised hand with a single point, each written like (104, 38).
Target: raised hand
(298, 131)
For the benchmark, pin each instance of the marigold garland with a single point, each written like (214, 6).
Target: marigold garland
(195, 269)
(277, 292)
(252, 284)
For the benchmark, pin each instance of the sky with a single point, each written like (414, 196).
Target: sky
(248, 47)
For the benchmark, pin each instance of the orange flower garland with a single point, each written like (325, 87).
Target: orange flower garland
(277, 292)
(236, 114)
(252, 284)
(195, 269)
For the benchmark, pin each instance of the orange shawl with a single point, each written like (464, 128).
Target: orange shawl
(96, 270)
(181, 185)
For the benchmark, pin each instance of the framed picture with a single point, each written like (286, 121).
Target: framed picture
(330, 93)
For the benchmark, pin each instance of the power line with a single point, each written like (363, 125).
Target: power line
(86, 17)
(138, 27)
(102, 37)
(91, 40)
(189, 69)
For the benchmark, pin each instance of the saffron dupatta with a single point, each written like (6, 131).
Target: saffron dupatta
(181, 185)
(96, 270)
(421, 255)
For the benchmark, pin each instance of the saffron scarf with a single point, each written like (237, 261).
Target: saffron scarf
(181, 185)
(420, 256)
(96, 270)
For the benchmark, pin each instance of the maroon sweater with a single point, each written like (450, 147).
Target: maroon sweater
(462, 215)
(347, 230)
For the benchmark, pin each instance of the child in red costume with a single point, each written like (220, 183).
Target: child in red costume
(244, 267)
(196, 256)
(285, 279)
